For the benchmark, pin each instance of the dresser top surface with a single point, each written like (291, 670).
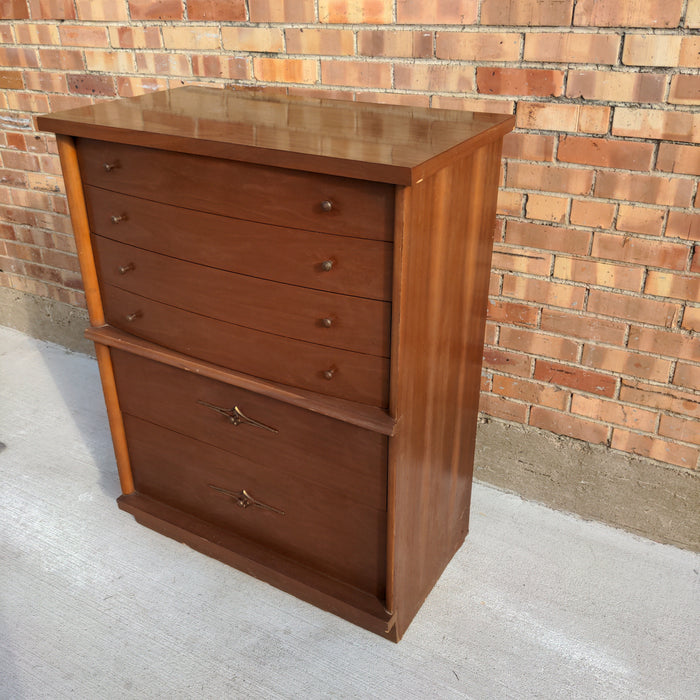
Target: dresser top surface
(387, 143)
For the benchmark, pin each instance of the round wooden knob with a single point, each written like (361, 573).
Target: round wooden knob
(326, 205)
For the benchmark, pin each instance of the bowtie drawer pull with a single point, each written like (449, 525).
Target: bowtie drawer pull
(243, 499)
(236, 416)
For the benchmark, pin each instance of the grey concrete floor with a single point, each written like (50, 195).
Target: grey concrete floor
(537, 604)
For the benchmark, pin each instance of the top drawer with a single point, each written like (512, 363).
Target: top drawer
(243, 190)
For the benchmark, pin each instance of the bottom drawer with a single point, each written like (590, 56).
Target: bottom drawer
(304, 521)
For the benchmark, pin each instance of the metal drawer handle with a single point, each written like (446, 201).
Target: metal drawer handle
(326, 322)
(111, 166)
(326, 205)
(329, 373)
(117, 219)
(236, 416)
(126, 268)
(327, 265)
(134, 316)
(243, 499)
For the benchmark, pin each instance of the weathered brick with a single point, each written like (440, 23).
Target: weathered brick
(668, 343)
(567, 47)
(14, 57)
(651, 189)
(135, 37)
(647, 446)
(547, 208)
(36, 34)
(219, 10)
(627, 155)
(494, 80)
(83, 35)
(639, 219)
(61, 59)
(679, 429)
(545, 13)
(522, 146)
(434, 77)
(11, 80)
(588, 212)
(163, 63)
(692, 14)
(110, 61)
(252, 39)
(6, 35)
(500, 407)
(543, 292)
(613, 412)
(354, 12)
(674, 158)
(509, 362)
(687, 375)
(469, 104)
(112, 11)
(583, 326)
(691, 319)
(276, 11)
(633, 308)
(683, 225)
(156, 9)
(27, 101)
(130, 86)
(197, 38)
(567, 424)
(621, 361)
(279, 70)
(690, 52)
(665, 284)
(651, 50)
(414, 99)
(52, 9)
(612, 13)
(575, 378)
(531, 392)
(641, 251)
(436, 11)
(616, 86)
(598, 273)
(685, 90)
(589, 119)
(549, 178)
(656, 124)
(478, 46)
(545, 237)
(14, 9)
(328, 42)
(215, 66)
(535, 343)
(662, 397)
(510, 312)
(515, 260)
(509, 203)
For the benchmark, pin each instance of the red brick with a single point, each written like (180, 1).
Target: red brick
(516, 260)
(680, 429)
(639, 219)
(354, 12)
(14, 9)
(356, 73)
(252, 39)
(616, 86)
(575, 378)
(687, 375)
(665, 284)
(627, 155)
(15, 58)
(522, 146)
(113, 10)
(599, 273)
(493, 80)
(61, 59)
(129, 87)
(613, 412)
(671, 344)
(547, 238)
(628, 363)
(690, 52)
(685, 90)
(36, 34)
(547, 208)
(46, 82)
(612, 13)
(217, 10)
(156, 9)
(566, 424)
(374, 42)
(588, 212)
(276, 11)
(436, 11)
(692, 14)
(413, 99)
(691, 318)
(647, 446)
(549, 178)
(329, 42)
(52, 9)
(543, 292)
(11, 80)
(478, 46)
(534, 343)
(83, 35)
(661, 50)
(673, 158)
(589, 119)
(656, 124)
(199, 37)
(500, 407)
(6, 35)
(434, 77)
(567, 47)
(510, 362)
(652, 189)
(216, 66)
(583, 326)
(162, 63)
(664, 397)
(91, 84)
(683, 225)
(110, 61)
(641, 251)
(510, 312)
(27, 101)
(509, 203)
(695, 262)
(544, 13)
(530, 392)
(633, 308)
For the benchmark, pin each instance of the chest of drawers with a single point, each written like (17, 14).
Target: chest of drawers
(287, 298)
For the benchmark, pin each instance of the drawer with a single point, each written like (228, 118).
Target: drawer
(316, 448)
(337, 320)
(330, 371)
(358, 266)
(244, 190)
(304, 521)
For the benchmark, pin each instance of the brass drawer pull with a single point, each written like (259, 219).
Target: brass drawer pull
(132, 317)
(116, 219)
(327, 265)
(243, 499)
(326, 322)
(111, 166)
(329, 373)
(126, 268)
(326, 205)
(236, 416)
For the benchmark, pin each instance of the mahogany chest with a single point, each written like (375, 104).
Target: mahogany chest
(288, 300)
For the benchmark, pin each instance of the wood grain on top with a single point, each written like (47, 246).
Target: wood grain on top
(378, 142)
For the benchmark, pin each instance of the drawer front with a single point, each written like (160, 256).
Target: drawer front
(357, 266)
(330, 371)
(253, 192)
(303, 444)
(301, 520)
(337, 320)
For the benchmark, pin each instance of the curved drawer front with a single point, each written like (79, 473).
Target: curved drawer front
(331, 371)
(355, 266)
(299, 443)
(253, 192)
(301, 520)
(337, 320)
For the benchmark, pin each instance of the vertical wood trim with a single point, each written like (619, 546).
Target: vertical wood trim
(81, 227)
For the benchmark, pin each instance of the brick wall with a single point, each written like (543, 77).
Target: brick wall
(595, 288)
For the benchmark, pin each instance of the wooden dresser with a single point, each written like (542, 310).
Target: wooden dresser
(287, 298)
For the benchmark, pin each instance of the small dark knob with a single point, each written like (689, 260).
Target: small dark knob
(127, 268)
(118, 219)
(326, 205)
(328, 374)
(327, 265)
(326, 322)
(134, 316)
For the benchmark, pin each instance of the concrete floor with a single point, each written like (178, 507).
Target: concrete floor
(537, 604)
